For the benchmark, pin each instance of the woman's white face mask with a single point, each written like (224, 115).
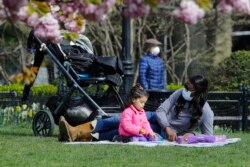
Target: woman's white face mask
(155, 50)
(186, 95)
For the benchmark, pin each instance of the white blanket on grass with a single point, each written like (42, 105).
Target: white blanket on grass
(163, 143)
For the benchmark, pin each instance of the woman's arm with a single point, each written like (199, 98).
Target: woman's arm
(163, 110)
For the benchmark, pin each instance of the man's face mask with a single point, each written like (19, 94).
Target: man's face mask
(155, 50)
(186, 95)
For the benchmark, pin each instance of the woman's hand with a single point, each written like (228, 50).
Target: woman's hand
(171, 134)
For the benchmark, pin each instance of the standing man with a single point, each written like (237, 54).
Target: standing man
(152, 73)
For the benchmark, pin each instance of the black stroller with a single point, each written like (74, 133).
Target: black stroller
(80, 68)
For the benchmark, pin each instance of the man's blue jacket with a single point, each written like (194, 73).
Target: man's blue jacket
(152, 73)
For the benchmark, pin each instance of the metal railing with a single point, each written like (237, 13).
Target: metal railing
(230, 108)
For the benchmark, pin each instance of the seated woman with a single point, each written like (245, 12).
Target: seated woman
(181, 114)
(186, 110)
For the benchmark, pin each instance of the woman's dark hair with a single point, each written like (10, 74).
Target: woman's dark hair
(199, 98)
(136, 92)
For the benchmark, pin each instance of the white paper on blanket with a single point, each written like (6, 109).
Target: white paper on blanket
(161, 143)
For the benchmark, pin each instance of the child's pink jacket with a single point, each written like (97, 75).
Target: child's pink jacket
(132, 120)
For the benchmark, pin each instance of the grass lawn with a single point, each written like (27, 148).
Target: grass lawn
(20, 148)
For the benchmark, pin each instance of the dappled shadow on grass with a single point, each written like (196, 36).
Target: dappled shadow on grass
(22, 133)
(22, 130)
(15, 133)
(7, 135)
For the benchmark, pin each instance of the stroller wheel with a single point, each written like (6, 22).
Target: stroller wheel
(43, 123)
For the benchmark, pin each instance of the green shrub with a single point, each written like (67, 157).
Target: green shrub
(44, 90)
(37, 90)
(232, 72)
(173, 87)
(13, 87)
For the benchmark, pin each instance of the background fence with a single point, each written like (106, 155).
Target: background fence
(231, 109)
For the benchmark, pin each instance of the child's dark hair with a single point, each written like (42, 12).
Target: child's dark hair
(136, 92)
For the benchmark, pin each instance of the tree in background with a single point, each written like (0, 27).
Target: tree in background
(48, 17)
(187, 49)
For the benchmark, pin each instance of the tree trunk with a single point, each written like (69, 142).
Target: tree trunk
(223, 38)
(4, 75)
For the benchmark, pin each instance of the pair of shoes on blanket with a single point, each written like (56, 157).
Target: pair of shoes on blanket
(119, 138)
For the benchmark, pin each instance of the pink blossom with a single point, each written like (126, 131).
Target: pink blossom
(72, 25)
(109, 4)
(23, 14)
(54, 8)
(96, 12)
(2, 14)
(14, 6)
(242, 6)
(48, 29)
(136, 8)
(68, 8)
(224, 7)
(69, 14)
(30, 19)
(163, 1)
(69, 17)
(189, 12)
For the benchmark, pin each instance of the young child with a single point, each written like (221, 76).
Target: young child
(133, 121)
